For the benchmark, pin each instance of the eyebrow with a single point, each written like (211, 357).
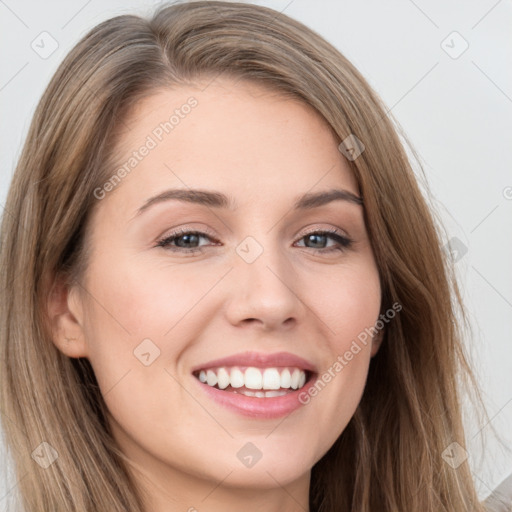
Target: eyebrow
(215, 199)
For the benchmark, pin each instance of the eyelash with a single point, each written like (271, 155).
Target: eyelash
(344, 242)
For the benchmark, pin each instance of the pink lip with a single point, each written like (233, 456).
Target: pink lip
(263, 408)
(259, 360)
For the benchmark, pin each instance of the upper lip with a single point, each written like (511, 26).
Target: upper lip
(259, 360)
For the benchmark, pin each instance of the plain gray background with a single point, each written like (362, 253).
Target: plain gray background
(454, 104)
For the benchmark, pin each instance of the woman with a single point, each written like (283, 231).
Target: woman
(255, 370)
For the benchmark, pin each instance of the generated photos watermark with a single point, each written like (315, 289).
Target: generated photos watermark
(344, 360)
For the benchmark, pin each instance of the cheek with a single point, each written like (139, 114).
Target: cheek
(141, 317)
(134, 303)
(349, 308)
(138, 324)
(349, 302)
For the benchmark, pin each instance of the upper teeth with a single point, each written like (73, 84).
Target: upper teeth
(254, 378)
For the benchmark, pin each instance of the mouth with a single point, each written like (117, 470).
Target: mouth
(255, 382)
(257, 385)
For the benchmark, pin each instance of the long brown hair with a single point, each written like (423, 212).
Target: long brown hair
(390, 456)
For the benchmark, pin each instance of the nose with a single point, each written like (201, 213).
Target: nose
(264, 290)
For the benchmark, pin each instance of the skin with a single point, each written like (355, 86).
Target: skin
(264, 150)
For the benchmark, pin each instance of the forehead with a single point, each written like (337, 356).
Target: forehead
(239, 137)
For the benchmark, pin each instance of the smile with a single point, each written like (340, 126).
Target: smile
(252, 381)
(258, 385)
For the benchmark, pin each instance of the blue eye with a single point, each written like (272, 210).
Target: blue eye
(342, 242)
(183, 238)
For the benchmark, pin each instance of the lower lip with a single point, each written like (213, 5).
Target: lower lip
(265, 408)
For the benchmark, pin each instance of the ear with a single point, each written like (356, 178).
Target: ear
(65, 316)
(377, 342)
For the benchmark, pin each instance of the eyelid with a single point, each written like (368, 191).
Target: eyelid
(188, 229)
(203, 228)
(338, 231)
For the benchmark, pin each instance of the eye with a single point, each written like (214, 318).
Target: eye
(183, 238)
(318, 237)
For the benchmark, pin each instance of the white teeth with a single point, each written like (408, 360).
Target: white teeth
(261, 394)
(237, 378)
(253, 378)
(294, 383)
(271, 379)
(275, 393)
(223, 378)
(211, 378)
(268, 379)
(286, 378)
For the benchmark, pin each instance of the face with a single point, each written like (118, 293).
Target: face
(208, 318)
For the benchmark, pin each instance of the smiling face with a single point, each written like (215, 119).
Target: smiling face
(252, 278)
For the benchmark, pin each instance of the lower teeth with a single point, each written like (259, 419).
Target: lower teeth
(261, 394)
